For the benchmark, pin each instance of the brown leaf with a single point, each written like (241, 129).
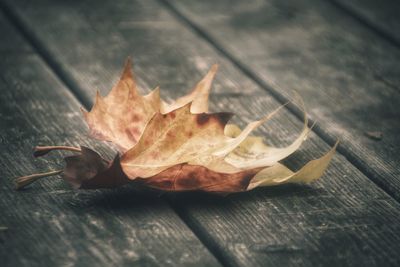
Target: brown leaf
(198, 96)
(183, 137)
(174, 138)
(88, 170)
(120, 117)
(186, 177)
(177, 146)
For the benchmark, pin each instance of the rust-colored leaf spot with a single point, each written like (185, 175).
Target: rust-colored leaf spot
(202, 119)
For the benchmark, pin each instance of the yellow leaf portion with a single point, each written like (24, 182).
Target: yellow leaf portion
(253, 153)
(279, 174)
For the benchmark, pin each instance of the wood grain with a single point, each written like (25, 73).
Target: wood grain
(49, 224)
(343, 219)
(347, 75)
(382, 16)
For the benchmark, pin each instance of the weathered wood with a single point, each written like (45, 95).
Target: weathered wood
(347, 75)
(49, 224)
(344, 219)
(383, 16)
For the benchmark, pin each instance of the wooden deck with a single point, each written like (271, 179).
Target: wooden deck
(341, 56)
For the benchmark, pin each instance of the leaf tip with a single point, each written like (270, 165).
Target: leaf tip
(127, 72)
(22, 182)
(214, 68)
(83, 110)
(39, 151)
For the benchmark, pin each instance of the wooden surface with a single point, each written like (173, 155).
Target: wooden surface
(348, 76)
(51, 225)
(380, 16)
(343, 219)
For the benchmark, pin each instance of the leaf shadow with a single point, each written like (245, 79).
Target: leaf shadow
(122, 198)
(132, 197)
(187, 200)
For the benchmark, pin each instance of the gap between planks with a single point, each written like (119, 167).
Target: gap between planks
(296, 111)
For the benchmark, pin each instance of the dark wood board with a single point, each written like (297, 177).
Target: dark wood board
(50, 224)
(348, 76)
(343, 219)
(382, 16)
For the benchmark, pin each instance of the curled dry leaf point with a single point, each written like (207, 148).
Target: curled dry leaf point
(177, 146)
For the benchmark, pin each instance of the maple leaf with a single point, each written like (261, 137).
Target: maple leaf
(177, 146)
(122, 115)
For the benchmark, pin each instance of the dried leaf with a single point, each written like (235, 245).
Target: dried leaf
(279, 174)
(120, 117)
(177, 146)
(253, 153)
(88, 170)
(183, 137)
(186, 177)
(198, 97)
(173, 138)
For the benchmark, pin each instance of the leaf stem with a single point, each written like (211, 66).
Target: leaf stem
(23, 181)
(43, 150)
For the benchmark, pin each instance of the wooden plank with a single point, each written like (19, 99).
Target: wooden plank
(348, 76)
(343, 219)
(382, 16)
(49, 224)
